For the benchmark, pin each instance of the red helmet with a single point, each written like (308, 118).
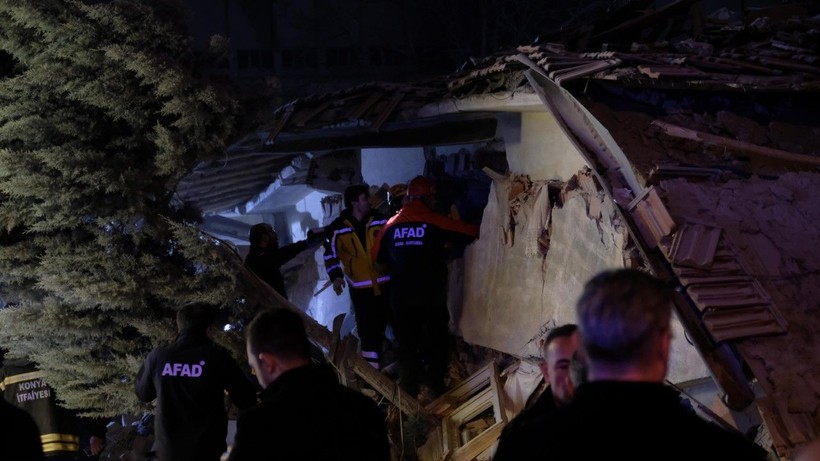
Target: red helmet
(421, 187)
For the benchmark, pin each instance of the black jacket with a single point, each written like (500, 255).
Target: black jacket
(19, 439)
(412, 244)
(307, 415)
(26, 387)
(512, 444)
(636, 421)
(188, 378)
(265, 263)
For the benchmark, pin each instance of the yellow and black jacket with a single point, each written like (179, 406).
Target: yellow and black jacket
(24, 386)
(347, 251)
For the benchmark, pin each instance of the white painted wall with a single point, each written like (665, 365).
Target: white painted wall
(305, 214)
(537, 146)
(391, 166)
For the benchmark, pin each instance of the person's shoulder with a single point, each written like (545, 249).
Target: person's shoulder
(162, 351)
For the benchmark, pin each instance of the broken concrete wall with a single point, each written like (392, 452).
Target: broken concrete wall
(512, 297)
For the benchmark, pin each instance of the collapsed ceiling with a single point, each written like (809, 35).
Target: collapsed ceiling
(714, 158)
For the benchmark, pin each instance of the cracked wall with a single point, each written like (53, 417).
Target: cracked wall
(512, 297)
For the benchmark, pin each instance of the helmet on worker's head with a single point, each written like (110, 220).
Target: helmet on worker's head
(421, 187)
(395, 194)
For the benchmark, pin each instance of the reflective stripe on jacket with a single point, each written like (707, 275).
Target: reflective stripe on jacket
(26, 388)
(345, 255)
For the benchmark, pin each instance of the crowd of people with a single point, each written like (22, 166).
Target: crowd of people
(605, 394)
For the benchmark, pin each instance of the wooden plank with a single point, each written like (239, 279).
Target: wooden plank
(454, 397)
(450, 436)
(280, 124)
(680, 132)
(359, 110)
(498, 395)
(348, 347)
(473, 407)
(490, 395)
(301, 118)
(386, 387)
(387, 110)
(566, 75)
(479, 444)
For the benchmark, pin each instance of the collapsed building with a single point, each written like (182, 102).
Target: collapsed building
(694, 156)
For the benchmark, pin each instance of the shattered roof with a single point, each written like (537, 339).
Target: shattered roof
(777, 55)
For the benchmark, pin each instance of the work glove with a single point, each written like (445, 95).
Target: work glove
(338, 285)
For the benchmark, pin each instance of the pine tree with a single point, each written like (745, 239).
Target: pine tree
(103, 112)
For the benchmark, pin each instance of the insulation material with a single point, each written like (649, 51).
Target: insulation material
(774, 225)
(507, 297)
(536, 218)
(519, 386)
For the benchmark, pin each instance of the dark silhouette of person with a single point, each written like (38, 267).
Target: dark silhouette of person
(189, 379)
(625, 411)
(265, 256)
(304, 413)
(26, 387)
(413, 246)
(19, 439)
(347, 257)
(557, 352)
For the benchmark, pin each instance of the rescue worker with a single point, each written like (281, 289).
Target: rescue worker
(188, 378)
(412, 246)
(25, 387)
(265, 257)
(347, 256)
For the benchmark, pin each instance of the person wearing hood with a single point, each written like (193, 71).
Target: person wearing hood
(266, 257)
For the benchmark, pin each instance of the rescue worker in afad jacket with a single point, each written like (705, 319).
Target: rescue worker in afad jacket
(347, 257)
(413, 246)
(189, 378)
(25, 387)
